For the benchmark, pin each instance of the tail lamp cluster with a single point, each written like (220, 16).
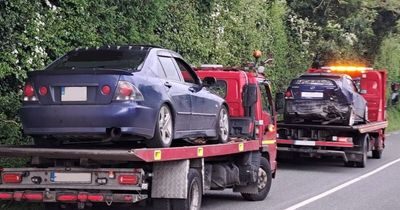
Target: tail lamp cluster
(30, 94)
(63, 197)
(19, 196)
(289, 94)
(16, 178)
(12, 178)
(126, 91)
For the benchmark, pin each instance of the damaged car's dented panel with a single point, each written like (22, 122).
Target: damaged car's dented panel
(324, 98)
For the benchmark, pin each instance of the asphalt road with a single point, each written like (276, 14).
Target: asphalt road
(326, 184)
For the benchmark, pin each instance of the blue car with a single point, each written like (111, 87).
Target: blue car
(121, 93)
(324, 98)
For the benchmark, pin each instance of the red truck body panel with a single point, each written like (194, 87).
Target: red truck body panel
(265, 122)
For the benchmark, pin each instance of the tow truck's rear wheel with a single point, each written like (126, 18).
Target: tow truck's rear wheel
(264, 182)
(362, 141)
(163, 133)
(377, 154)
(195, 193)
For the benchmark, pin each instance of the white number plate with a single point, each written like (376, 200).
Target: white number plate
(73, 93)
(312, 95)
(63, 177)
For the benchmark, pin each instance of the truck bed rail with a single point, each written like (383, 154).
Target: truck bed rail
(134, 155)
(362, 128)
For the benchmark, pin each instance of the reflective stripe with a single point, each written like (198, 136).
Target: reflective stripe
(200, 152)
(268, 141)
(241, 147)
(304, 143)
(157, 155)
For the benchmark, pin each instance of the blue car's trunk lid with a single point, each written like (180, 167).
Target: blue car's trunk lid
(324, 89)
(79, 86)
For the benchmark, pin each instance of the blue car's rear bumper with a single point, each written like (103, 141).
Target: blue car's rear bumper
(131, 118)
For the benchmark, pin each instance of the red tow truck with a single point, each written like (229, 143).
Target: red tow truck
(352, 143)
(174, 178)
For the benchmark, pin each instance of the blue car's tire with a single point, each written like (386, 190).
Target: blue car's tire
(163, 132)
(222, 125)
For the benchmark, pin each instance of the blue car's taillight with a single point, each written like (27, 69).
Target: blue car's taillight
(29, 93)
(126, 91)
(289, 94)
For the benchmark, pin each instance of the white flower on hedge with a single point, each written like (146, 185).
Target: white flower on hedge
(40, 51)
(14, 52)
(29, 61)
(50, 5)
(221, 30)
(350, 38)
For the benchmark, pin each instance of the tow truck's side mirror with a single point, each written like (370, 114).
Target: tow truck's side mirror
(249, 95)
(209, 81)
(279, 102)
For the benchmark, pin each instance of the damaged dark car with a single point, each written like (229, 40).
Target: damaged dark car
(325, 99)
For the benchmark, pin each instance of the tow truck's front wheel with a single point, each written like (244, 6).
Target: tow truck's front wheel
(264, 182)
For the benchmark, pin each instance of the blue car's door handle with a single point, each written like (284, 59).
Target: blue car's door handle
(167, 84)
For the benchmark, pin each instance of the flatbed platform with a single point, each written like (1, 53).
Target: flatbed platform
(362, 128)
(133, 155)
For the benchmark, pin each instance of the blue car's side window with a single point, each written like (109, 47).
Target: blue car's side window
(169, 68)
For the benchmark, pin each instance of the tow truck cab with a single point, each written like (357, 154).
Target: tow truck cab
(251, 108)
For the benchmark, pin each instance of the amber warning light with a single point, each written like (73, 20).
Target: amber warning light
(346, 68)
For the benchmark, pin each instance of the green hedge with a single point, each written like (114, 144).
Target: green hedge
(33, 33)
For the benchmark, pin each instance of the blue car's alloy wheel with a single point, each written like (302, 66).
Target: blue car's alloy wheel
(223, 126)
(163, 133)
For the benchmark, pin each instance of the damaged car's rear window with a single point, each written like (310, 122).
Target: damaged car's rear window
(314, 82)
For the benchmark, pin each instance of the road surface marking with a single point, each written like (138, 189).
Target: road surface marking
(337, 188)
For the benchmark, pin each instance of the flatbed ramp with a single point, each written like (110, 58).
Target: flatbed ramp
(133, 155)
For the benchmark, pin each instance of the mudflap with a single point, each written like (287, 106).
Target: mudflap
(354, 156)
(170, 179)
(248, 164)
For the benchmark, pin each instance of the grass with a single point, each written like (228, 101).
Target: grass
(393, 115)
